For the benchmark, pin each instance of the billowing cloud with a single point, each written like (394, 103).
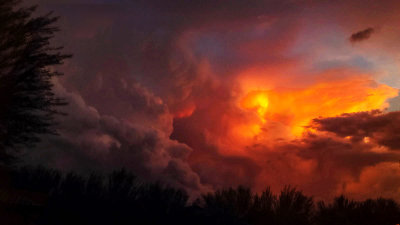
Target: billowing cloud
(91, 141)
(205, 94)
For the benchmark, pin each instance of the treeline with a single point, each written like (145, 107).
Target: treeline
(46, 196)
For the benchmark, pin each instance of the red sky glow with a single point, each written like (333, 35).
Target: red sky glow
(212, 94)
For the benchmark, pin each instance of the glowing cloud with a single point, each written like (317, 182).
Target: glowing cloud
(295, 108)
(257, 100)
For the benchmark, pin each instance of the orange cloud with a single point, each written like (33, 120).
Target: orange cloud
(294, 109)
(381, 180)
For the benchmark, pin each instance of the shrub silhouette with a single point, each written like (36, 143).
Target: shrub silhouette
(38, 179)
(369, 212)
(293, 207)
(290, 207)
(122, 198)
(227, 206)
(262, 211)
(118, 198)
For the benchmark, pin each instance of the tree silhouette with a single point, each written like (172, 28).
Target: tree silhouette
(290, 207)
(378, 211)
(120, 198)
(226, 206)
(293, 207)
(341, 211)
(369, 212)
(27, 102)
(262, 211)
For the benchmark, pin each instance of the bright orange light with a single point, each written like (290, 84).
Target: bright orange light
(295, 108)
(257, 100)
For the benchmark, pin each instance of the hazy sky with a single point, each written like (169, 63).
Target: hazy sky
(209, 94)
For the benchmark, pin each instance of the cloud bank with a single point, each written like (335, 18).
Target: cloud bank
(159, 89)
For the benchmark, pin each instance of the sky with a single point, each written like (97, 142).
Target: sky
(210, 94)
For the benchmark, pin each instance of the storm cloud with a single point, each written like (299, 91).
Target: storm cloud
(156, 87)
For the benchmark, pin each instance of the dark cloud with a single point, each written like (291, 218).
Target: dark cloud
(91, 141)
(375, 126)
(362, 35)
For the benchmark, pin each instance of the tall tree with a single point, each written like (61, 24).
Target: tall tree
(27, 101)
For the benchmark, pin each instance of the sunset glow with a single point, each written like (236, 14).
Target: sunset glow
(256, 100)
(212, 94)
(295, 108)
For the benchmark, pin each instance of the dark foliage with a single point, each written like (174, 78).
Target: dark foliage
(120, 198)
(290, 207)
(27, 103)
(370, 212)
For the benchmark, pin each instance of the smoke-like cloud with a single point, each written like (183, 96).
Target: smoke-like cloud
(91, 141)
(157, 86)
